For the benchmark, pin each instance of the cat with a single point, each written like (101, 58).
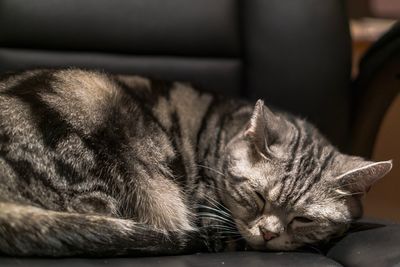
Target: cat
(98, 164)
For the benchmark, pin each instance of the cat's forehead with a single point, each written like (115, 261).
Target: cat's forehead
(315, 203)
(259, 172)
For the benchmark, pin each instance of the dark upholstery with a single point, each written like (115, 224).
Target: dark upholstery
(374, 245)
(204, 28)
(200, 260)
(261, 49)
(379, 246)
(293, 54)
(297, 56)
(175, 39)
(221, 75)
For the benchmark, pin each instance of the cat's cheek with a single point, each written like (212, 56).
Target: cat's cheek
(251, 235)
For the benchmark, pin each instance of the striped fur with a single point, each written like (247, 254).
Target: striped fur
(95, 164)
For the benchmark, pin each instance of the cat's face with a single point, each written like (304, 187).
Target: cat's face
(287, 187)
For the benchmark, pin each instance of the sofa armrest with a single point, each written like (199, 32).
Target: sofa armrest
(375, 88)
(373, 244)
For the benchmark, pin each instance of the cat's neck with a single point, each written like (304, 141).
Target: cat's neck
(224, 120)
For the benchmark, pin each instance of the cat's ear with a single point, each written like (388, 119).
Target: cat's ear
(264, 128)
(256, 127)
(360, 179)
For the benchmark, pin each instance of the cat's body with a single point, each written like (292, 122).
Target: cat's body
(97, 164)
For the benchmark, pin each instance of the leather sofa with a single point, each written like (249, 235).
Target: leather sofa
(296, 55)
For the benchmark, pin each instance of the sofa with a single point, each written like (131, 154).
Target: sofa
(296, 55)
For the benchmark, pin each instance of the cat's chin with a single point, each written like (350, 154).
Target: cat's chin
(282, 243)
(274, 246)
(281, 247)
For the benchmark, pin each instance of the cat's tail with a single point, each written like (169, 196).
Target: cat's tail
(28, 231)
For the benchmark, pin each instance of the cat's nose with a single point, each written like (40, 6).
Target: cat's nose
(268, 235)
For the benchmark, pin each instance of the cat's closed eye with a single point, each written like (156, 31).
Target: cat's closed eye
(260, 200)
(301, 219)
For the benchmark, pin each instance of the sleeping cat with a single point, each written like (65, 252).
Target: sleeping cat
(95, 164)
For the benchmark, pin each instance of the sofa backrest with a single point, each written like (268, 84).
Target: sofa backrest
(293, 53)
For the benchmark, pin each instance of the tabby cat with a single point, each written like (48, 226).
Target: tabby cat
(96, 164)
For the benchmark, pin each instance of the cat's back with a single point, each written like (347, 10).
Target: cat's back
(83, 100)
(63, 129)
(73, 95)
(68, 133)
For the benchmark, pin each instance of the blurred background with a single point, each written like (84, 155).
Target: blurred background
(369, 20)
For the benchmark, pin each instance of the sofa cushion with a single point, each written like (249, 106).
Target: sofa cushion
(377, 246)
(241, 259)
(214, 74)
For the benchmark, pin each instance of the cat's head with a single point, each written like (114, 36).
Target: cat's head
(286, 186)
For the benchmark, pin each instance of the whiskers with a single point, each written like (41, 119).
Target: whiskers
(219, 217)
(211, 169)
